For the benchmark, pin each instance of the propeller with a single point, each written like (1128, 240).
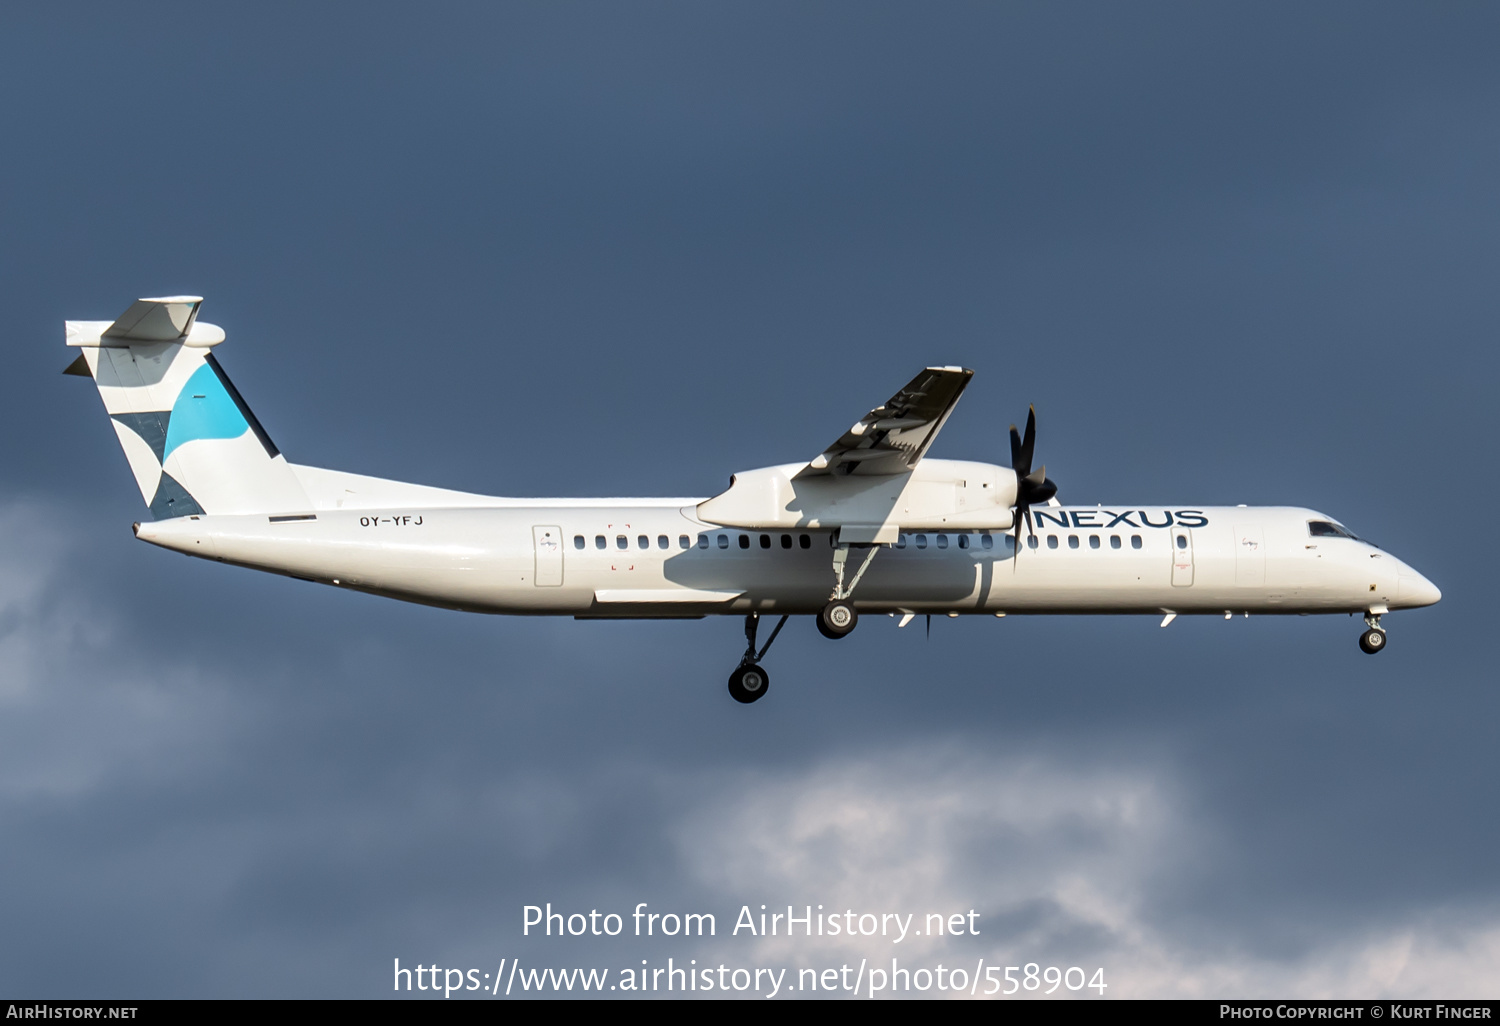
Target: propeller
(1031, 487)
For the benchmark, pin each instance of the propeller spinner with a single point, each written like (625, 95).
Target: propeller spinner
(1031, 487)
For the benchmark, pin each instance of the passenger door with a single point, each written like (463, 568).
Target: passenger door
(547, 542)
(1182, 557)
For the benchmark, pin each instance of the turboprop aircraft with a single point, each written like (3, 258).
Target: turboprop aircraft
(871, 524)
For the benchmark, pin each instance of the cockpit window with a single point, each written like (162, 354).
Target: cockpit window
(1328, 529)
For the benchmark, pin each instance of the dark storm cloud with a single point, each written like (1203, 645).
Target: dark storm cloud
(1233, 256)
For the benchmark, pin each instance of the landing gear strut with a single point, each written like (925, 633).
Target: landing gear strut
(749, 681)
(1372, 640)
(839, 617)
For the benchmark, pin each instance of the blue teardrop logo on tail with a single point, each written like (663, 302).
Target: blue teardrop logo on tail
(203, 410)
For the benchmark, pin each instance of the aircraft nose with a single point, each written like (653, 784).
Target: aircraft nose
(1415, 590)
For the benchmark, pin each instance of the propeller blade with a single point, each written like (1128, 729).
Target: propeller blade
(1028, 445)
(1031, 486)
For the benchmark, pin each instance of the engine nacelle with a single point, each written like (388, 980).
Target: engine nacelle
(935, 494)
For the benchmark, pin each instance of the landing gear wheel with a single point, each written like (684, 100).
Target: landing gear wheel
(837, 619)
(748, 683)
(1372, 641)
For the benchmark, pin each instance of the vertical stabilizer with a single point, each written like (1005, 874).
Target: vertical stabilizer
(190, 439)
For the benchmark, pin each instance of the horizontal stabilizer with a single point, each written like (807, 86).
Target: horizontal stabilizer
(156, 320)
(164, 319)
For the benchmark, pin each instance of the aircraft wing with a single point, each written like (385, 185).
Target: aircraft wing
(894, 436)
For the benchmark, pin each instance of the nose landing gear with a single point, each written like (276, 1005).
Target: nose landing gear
(1372, 640)
(749, 681)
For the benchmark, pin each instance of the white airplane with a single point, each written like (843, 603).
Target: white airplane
(870, 525)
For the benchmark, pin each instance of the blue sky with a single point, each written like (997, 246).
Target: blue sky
(1232, 254)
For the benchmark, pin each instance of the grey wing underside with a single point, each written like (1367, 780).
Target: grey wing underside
(893, 437)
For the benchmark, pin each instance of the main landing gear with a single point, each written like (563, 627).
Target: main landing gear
(1372, 640)
(839, 617)
(749, 680)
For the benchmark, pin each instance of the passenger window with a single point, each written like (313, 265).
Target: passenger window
(1072, 541)
(963, 541)
(1051, 541)
(765, 541)
(723, 541)
(1114, 541)
(663, 542)
(942, 541)
(1032, 541)
(986, 541)
(921, 541)
(1010, 543)
(622, 542)
(643, 542)
(703, 541)
(600, 542)
(1135, 541)
(578, 541)
(1093, 541)
(744, 541)
(900, 541)
(684, 542)
(1182, 541)
(786, 541)
(804, 541)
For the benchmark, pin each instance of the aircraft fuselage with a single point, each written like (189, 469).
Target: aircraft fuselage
(652, 558)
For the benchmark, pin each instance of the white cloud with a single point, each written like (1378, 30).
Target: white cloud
(1064, 862)
(78, 704)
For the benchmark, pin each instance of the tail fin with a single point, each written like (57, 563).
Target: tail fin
(191, 441)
